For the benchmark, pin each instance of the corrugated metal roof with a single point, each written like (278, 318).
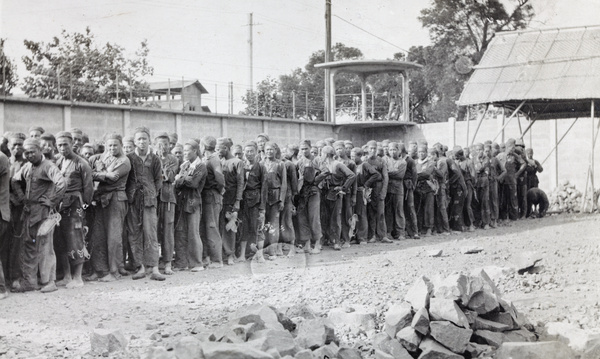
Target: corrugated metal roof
(557, 64)
(163, 86)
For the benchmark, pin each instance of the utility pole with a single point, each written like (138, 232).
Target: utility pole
(328, 59)
(250, 60)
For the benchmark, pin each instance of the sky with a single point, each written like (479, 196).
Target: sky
(208, 39)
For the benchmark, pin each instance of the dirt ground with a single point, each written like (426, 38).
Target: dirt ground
(58, 325)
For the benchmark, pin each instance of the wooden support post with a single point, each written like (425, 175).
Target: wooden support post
(558, 143)
(468, 118)
(592, 110)
(508, 121)
(479, 124)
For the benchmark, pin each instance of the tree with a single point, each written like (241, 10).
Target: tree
(8, 73)
(459, 30)
(73, 67)
(275, 95)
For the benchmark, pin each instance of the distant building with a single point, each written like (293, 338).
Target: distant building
(177, 95)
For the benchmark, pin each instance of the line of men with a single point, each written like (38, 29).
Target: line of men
(139, 204)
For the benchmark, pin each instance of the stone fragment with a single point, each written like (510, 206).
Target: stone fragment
(301, 310)
(395, 349)
(409, 338)
(539, 350)
(570, 334)
(379, 338)
(380, 354)
(396, 318)
(356, 319)
(519, 335)
(435, 253)
(305, 354)
(160, 353)
(282, 340)
(527, 260)
(349, 353)
(518, 318)
(216, 350)
(420, 321)
(494, 339)
(495, 273)
(476, 350)
(107, 341)
(419, 293)
(327, 351)
(471, 249)
(447, 309)
(267, 314)
(450, 336)
(471, 316)
(483, 302)
(592, 352)
(485, 324)
(434, 350)
(315, 333)
(188, 348)
(501, 318)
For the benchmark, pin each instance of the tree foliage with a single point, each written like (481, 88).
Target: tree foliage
(74, 67)
(8, 72)
(459, 29)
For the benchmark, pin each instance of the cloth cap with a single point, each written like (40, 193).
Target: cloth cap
(337, 144)
(192, 143)
(128, 139)
(36, 128)
(173, 137)
(372, 143)
(162, 135)
(66, 134)
(305, 142)
(209, 142)
(48, 137)
(348, 142)
(17, 135)
(112, 136)
(76, 130)
(520, 142)
(144, 129)
(32, 142)
(328, 150)
(225, 141)
(263, 135)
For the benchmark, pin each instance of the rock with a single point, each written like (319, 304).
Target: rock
(397, 317)
(248, 314)
(216, 350)
(483, 302)
(107, 341)
(380, 354)
(450, 336)
(519, 319)
(570, 334)
(435, 253)
(151, 326)
(501, 318)
(490, 338)
(160, 353)
(378, 339)
(419, 293)
(471, 315)
(526, 260)
(301, 310)
(494, 272)
(189, 348)
(519, 335)
(394, 348)
(539, 350)
(409, 338)
(275, 354)
(349, 353)
(315, 333)
(282, 340)
(420, 321)
(305, 354)
(476, 350)
(356, 319)
(593, 352)
(327, 351)
(485, 324)
(434, 350)
(287, 323)
(471, 250)
(233, 332)
(447, 309)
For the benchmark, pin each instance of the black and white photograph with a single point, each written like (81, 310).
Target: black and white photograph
(300, 179)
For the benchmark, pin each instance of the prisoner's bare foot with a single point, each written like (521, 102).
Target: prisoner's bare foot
(75, 283)
(50, 287)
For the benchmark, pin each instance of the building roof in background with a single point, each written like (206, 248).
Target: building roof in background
(174, 85)
(369, 67)
(548, 68)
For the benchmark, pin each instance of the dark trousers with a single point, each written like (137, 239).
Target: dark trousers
(362, 225)
(468, 216)
(10, 245)
(228, 237)
(425, 212)
(457, 198)
(440, 220)
(3, 238)
(510, 208)
(309, 217)
(272, 218)
(287, 232)
(482, 206)
(334, 213)
(347, 212)
(142, 226)
(37, 254)
(522, 198)
(107, 237)
(410, 213)
(166, 230)
(394, 214)
(324, 215)
(188, 245)
(212, 201)
(494, 200)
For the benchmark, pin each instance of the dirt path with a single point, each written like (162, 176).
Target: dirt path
(56, 325)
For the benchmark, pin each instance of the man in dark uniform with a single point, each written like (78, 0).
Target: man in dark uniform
(514, 166)
(410, 183)
(394, 199)
(349, 199)
(376, 208)
(212, 203)
(366, 178)
(4, 218)
(276, 194)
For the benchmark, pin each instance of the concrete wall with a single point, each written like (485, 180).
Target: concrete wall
(18, 114)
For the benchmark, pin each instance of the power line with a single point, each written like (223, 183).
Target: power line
(370, 33)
